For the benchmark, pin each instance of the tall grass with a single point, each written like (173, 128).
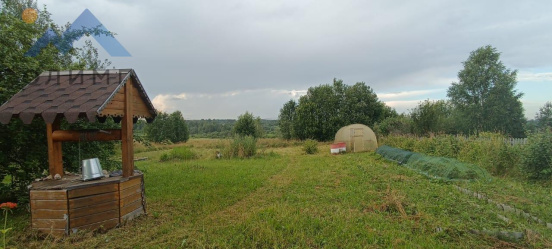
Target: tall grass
(488, 150)
(241, 147)
(178, 153)
(277, 143)
(146, 147)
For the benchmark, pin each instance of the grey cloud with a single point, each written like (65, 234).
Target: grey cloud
(221, 46)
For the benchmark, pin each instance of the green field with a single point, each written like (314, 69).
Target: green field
(283, 198)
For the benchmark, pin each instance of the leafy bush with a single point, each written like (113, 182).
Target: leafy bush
(310, 146)
(537, 156)
(178, 153)
(241, 147)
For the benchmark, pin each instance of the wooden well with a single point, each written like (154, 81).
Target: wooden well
(69, 204)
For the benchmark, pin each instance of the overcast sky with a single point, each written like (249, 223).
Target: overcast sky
(220, 58)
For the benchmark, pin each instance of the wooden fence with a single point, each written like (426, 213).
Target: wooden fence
(510, 141)
(516, 141)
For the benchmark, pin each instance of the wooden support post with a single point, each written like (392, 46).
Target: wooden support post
(55, 161)
(51, 153)
(127, 138)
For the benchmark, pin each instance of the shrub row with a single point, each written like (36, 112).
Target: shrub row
(489, 151)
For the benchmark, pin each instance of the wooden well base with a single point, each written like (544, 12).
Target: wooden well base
(62, 207)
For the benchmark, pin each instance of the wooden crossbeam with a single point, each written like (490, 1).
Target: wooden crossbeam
(99, 135)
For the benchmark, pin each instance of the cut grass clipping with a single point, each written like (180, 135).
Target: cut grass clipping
(435, 167)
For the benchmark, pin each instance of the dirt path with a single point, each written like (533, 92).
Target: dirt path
(257, 200)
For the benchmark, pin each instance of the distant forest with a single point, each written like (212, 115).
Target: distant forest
(222, 128)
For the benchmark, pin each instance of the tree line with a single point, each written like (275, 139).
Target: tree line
(222, 128)
(173, 127)
(483, 100)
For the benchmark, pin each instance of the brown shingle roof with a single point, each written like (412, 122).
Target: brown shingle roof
(73, 94)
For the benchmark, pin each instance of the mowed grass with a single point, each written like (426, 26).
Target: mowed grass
(286, 199)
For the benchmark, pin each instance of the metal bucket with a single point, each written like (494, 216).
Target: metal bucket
(91, 169)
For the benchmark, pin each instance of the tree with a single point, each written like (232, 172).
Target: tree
(317, 114)
(168, 127)
(544, 116)
(23, 148)
(179, 128)
(285, 119)
(327, 108)
(432, 117)
(395, 125)
(248, 125)
(485, 97)
(88, 57)
(361, 105)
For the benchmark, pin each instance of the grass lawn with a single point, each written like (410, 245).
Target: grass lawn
(286, 199)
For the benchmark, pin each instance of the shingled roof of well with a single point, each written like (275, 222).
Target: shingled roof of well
(73, 94)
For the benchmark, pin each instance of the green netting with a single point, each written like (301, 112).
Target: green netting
(447, 168)
(437, 167)
(398, 155)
